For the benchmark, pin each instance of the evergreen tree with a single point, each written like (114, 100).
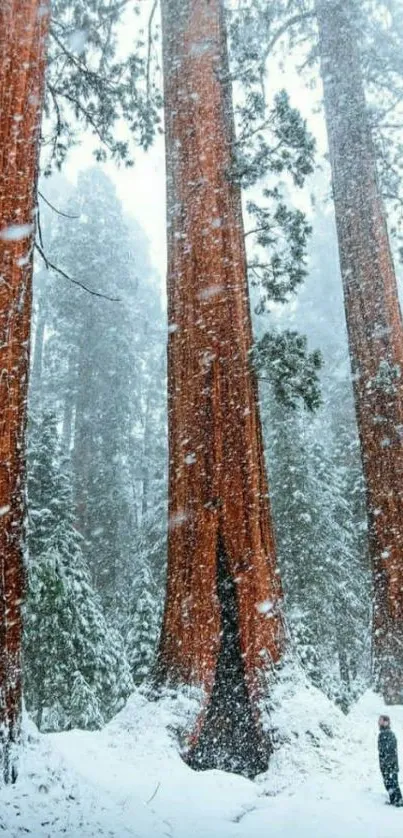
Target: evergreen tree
(103, 374)
(144, 623)
(326, 587)
(144, 598)
(317, 484)
(76, 673)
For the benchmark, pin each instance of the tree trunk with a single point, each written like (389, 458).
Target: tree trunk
(83, 443)
(374, 328)
(147, 442)
(69, 401)
(23, 30)
(68, 411)
(222, 623)
(343, 641)
(38, 345)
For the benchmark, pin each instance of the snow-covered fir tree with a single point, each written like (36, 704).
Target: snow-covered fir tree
(144, 622)
(100, 367)
(316, 482)
(76, 672)
(326, 587)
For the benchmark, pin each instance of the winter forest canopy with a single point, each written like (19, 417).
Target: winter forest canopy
(201, 355)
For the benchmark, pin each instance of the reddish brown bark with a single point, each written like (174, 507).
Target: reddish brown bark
(23, 29)
(222, 624)
(374, 328)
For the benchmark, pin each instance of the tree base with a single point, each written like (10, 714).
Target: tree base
(230, 736)
(388, 664)
(228, 743)
(8, 762)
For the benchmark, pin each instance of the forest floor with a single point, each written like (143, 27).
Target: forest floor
(129, 780)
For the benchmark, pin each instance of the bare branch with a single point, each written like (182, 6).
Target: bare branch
(289, 24)
(59, 212)
(257, 230)
(51, 266)
(150, 40)
(38, 223)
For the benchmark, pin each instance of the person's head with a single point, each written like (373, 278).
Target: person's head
(384, 722)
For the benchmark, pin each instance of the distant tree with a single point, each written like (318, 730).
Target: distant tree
(23, 36)
(327, 591)
(144, 597)
(95, 364)
(317, 484)
(45, 282)
(117, 412)
(82, 677)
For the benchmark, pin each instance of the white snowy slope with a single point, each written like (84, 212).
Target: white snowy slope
(128, 780)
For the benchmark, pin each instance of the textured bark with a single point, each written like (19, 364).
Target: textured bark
(374, 328)
(23, 29)
(219, 516)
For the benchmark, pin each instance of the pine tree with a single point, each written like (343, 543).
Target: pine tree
(81, 676)
(118, 410)
(144, 624)
(317, 483)
(143, 604)
(85, 708)
(23, 35)
(326, 588)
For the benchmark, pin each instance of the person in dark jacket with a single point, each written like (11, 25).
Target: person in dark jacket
(388, 760)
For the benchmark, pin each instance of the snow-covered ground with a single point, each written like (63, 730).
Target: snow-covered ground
(128, 780)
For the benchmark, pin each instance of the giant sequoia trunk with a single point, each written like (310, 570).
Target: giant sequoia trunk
(222, 625)
(23, 29)
(374, 328)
